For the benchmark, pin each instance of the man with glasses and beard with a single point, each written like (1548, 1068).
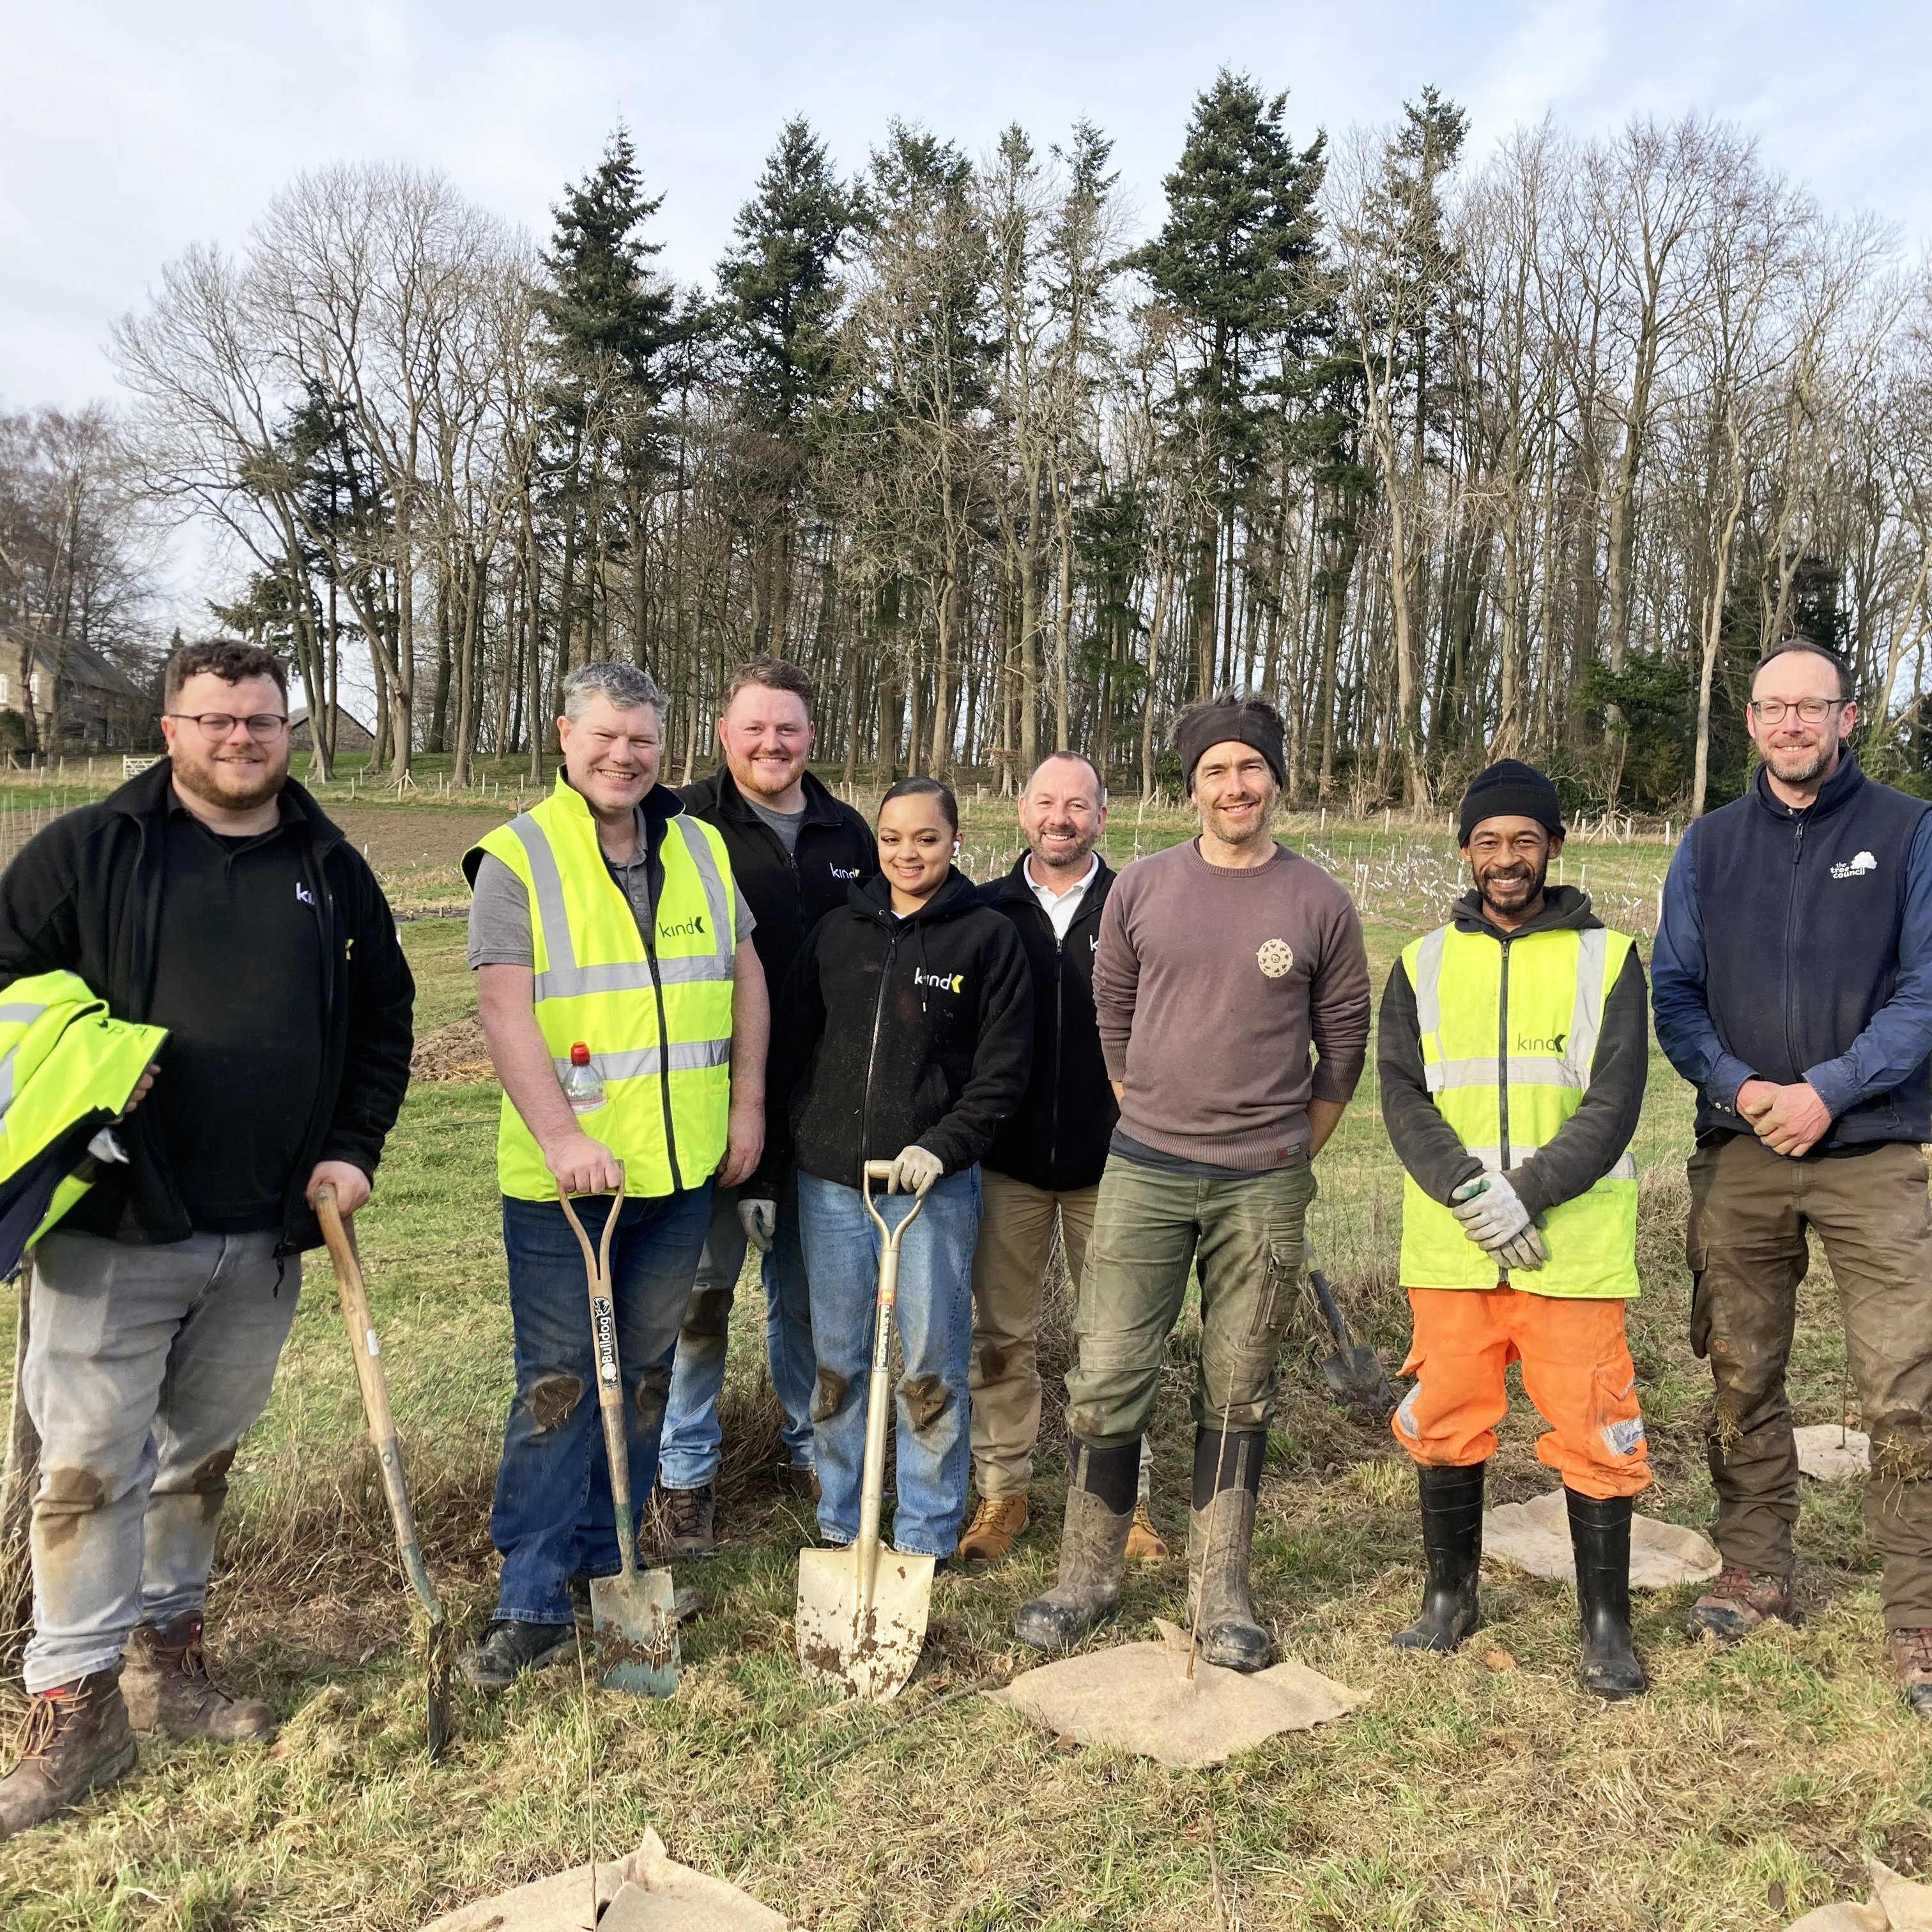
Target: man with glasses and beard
(210, 896)
(1512, 1051)
(1794, 991)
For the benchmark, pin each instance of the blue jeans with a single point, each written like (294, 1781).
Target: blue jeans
(553, 1516)
(689, 1455)
(934, 1320)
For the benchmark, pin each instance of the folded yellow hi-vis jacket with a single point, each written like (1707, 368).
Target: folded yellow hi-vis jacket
(67, 1067)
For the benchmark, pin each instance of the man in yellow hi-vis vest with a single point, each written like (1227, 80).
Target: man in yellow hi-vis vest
(605, 926)
(1512, 1046)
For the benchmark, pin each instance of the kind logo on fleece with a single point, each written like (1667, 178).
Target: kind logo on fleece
(942, 982)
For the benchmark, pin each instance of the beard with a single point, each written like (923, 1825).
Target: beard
(1800, 764)
(1489, 885)
(222, 785)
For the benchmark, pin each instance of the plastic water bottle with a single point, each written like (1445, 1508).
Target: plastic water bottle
(583, 1087)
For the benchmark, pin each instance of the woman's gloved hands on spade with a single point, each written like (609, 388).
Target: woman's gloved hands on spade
(914, 1171)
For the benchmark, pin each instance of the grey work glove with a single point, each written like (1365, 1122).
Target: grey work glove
(760, 1220)
(1493, 1216)
(915, 1170)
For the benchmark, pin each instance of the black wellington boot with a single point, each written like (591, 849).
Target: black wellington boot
(1093, 1549)
(1600, 1533)
(1452, 1542)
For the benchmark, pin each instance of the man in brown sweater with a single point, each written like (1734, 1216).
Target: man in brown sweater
(1223, 963)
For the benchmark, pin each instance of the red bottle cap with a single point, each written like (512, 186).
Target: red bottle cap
(580, 1055)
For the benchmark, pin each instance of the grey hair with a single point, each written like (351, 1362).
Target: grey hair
(626, 686)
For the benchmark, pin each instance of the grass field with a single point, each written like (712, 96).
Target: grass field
(1479, 1791)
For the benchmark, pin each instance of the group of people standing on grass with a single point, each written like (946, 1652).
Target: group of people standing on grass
(767, 993)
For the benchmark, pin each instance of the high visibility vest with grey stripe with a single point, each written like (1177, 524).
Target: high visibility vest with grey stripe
(1509, 1033)
(657, 1019)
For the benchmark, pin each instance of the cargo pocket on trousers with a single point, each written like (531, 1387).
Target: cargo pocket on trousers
(1696, 1257)
(1276, 1304)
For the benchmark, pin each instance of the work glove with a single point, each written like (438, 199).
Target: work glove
(915, 1170)
(1493, 1216)
(759, 1218)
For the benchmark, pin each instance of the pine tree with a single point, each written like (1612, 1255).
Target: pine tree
(1239, 258)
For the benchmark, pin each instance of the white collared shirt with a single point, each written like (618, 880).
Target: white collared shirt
(1061, 907)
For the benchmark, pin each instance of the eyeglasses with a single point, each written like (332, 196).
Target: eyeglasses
(1812, 710)
(264, 728)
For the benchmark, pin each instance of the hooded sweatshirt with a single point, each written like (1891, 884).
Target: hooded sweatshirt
(892, 1030)
(1589, 1145)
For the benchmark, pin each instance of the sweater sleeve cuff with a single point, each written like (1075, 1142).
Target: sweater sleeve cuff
(1325, 1084)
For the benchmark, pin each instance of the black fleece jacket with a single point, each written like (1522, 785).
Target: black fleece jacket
(890, 1031)
(1058, 1136)
(85, 896)
(788, 895)
(1587, 1145)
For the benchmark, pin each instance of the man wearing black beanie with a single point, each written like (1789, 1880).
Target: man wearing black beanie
(1512, 1049)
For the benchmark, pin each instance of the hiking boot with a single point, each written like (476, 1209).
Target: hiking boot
(1092, 1550)
(994, 1529)
(165, 1684)
(1145, 1543)
(690, 1521)
(72, 1741)
(1452, 1546)
(1739, 1601)
(1220, 1534)
(508, 1649)
(1912, 1658)
(799, 1480)
(1599, 1537)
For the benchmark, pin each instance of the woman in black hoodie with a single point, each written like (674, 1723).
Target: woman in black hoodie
(904, 1033)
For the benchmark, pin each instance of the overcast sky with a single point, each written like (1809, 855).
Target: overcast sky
(129, 131)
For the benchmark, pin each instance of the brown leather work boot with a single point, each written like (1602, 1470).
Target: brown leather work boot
(1912, 1658)
(1740, 1600)
(166, 1683)
(994, 1529)
(1145, 1543)
(690, 1521)
(72, 1741)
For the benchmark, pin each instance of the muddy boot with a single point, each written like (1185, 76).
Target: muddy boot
(1452, 1542)
(165, 1682)
(1093, 1549)
(690, 1521)
(1600, 1534)
(73, 1741)
(1740, 1600)
(1220, 1534)
(1912, 1658)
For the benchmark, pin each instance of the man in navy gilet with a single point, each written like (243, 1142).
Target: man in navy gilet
(1793, 989)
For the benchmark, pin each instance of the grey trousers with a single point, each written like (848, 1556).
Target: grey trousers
(144, 1366)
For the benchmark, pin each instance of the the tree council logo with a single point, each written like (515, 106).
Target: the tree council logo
(1275, 958)
(1863, 863)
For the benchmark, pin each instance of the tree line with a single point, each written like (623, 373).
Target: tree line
(1452, 457)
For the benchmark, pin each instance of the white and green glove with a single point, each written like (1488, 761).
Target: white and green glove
(1493, 1216)
(915, 1170)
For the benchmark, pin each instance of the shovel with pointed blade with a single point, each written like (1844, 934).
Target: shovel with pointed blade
(1353, 1372)
(860, 1623)
(368, 1350)
(633, 1613)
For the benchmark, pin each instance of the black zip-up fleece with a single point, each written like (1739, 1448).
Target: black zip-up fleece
(1057, 1138)
(890, 1031)
(788, 895)
(84, 896)
(1588, 1144)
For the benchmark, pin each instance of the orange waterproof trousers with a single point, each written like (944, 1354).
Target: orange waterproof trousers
(1576, 1369)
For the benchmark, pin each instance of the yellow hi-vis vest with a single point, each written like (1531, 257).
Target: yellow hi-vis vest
(66, 1068)
(1509, 1030)
(657, 1021)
